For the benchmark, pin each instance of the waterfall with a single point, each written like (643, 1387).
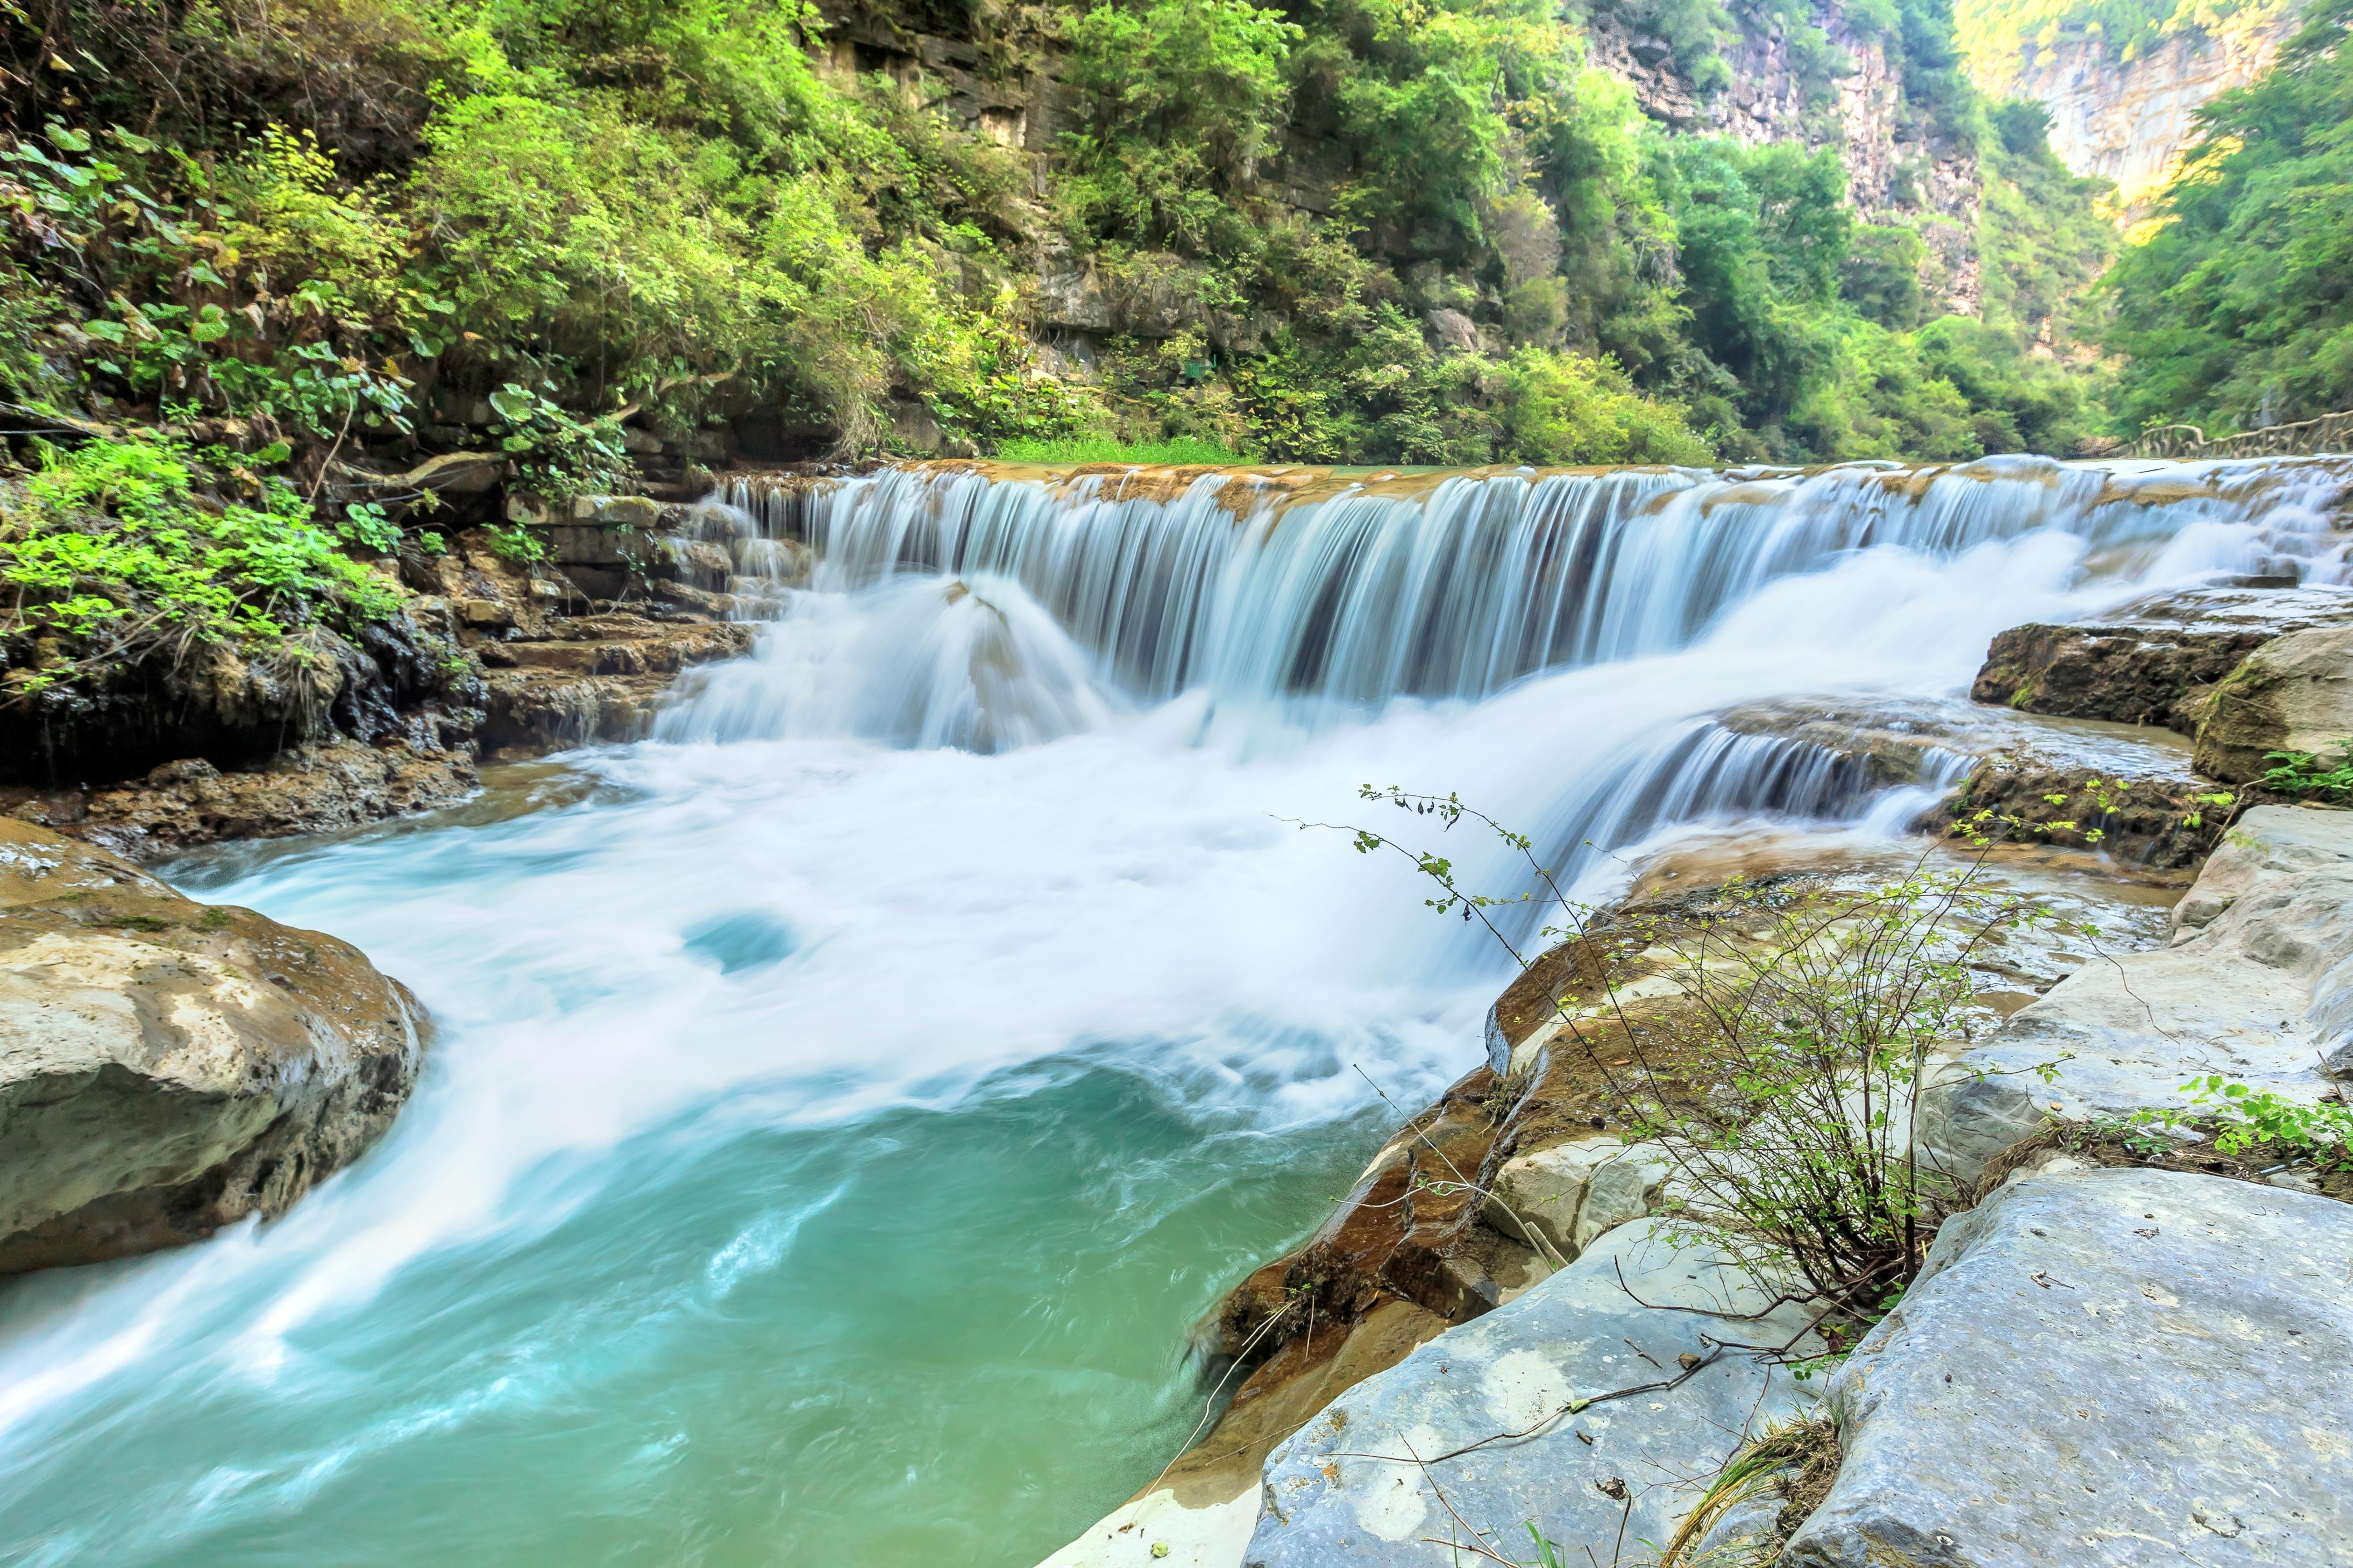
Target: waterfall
(840, 1107)
(1337, 592)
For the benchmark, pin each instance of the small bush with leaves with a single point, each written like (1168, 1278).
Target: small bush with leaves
(1821, 1008)
(119, 549)
(2301, 772)
(260, 286)
(2245, 1121)
(1813, 1010)
(557, 456)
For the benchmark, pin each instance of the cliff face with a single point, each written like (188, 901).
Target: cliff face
(2130, 120)
(1897, 173)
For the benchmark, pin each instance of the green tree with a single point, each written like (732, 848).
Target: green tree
(1187, 97)
(2237, 311)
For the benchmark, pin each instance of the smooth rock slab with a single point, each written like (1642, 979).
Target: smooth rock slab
(2257, 986)
(2104, 1368)
(1345, 1490)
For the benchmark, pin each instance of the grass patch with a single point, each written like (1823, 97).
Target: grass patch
(1104, 449)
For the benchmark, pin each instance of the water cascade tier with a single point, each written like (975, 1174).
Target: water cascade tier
(847, 1099)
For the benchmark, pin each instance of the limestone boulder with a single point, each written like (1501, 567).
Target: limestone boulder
(1570, 1194)
(2256, 985)
(167, 1066)
(1552, 1411)
(2292, 695)
(2103, 1368)
(2150, 661)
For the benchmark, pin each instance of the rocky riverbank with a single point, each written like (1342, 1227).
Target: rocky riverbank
(175, 1067)
(492, 659)
(1511, 1338)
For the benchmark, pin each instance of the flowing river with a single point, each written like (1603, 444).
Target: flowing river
(845, 1101)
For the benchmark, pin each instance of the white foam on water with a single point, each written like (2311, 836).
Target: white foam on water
(1022, 785)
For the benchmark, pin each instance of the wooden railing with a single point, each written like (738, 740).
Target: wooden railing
(2329, 433)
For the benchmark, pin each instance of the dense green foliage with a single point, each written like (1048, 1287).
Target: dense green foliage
(2237, 310)
(1339, 230)
(1619, 295)
(114, 548)
(613, 204)
(2044, 239)
(346, 218)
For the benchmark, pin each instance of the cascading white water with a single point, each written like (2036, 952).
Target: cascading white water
(1357, 590)
(844, 1102)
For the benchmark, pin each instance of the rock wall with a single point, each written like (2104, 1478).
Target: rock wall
(2130, 120)
(490, 659)
(1896, 171)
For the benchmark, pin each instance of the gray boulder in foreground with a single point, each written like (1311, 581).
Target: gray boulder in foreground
(2103, 1368)
(1345, 1490)
(168, 1067)
(2257, 986)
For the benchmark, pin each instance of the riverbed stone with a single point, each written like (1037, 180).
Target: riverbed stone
(1346, 1489)
(1568, 1194)
(2292, 695)
(2256, 985)
(167, 1066)
(2152, 660)
(303, 789)
(2103, 1368)
(2147, 810)
(602, 680)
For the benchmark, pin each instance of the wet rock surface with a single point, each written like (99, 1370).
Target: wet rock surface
(1400, 1235)
(2292, 695)
(2151, 661)
(166, 1066)
(236, 709)
(2141, 803)
(306, 789)
(2103, 1368)
(596, 677)
(2127, 789)
(1585, 1408)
